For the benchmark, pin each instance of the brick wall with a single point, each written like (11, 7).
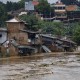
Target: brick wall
(14, 32)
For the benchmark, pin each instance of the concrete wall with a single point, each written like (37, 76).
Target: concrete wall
(29, 5)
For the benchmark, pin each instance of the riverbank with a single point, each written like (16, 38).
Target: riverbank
(40, 55)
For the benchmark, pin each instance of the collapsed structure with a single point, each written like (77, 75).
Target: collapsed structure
(17, 40)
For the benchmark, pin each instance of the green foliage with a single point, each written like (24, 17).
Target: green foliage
(43, 7)
(9, 6)
(30, 19)
(76, 34)
(3, 14)
(12, 6)
(46, 26)
(55, 28)
(69, 2)
(21, 3)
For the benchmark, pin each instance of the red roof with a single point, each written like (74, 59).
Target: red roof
(71, 8)
(35, 3)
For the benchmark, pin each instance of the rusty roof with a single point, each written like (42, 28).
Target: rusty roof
(71, 8)
(35, 3)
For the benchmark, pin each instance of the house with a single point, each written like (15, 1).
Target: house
(34, 40)
(51, 42)
(60, 11)
(14, 26)
(66, 13)
(17, 12)
(73, 13)
(71, 7)
(21, 41)
(30, 5)
(68, 45)
(56, 44)
(23, 13)
(15, 36)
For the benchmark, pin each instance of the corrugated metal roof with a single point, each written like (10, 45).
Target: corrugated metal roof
(29, 47)
(3, 29)
(29, 31)
(68, 40)
(48, 36)
(14, 20)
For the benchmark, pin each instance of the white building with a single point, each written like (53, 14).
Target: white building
(29, 6)
(60, 10)
(22, 13)
(3, 35)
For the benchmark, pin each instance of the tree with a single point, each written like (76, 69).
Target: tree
(15, 6)
(3, 14)
(12, 6)
(9, 6)
(30, 19)
(21, 3)
(76, 35)
(43, 7)
(55, 28)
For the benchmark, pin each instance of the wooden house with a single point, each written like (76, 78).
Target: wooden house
(16, 37)
(52, 43)
(21, 41)
(55, 44)
(34, 40)
(68, 45)
(14, 26)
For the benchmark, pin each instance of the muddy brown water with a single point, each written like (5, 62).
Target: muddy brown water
(65, 67)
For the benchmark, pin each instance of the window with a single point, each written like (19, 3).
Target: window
(60, 8)
(56, 8)
(63, 7)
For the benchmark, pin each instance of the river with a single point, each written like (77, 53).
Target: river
(65, 67)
